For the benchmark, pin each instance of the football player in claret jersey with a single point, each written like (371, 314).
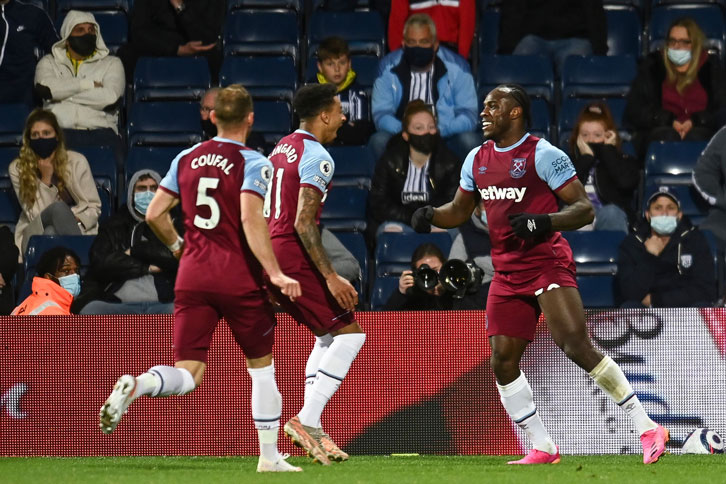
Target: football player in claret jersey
(221, 185)
(521, 179)
(303, 170)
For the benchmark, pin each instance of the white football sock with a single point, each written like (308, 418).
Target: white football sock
(334, 365)
(266, 409)
(610, 378)
(322, 343)
(162, 381)
(519, 404)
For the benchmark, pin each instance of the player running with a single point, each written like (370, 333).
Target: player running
(520, 178)
(303, 170)
(221, 185)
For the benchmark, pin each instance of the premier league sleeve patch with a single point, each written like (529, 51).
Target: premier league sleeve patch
(326, 168)
(518, 167)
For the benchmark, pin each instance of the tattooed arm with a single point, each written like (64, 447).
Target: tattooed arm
(307, 208)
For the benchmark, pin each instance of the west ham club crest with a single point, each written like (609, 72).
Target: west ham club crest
(518, 167)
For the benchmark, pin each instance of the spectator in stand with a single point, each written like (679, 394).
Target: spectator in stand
(83, 85)
(55, 284)
(553, 28)
(8, 266)
(709, 177)
(334, 67)
(417, 169)
(610, 177)
(439, 77)
(25, 29)
(472, 244)
(455, 21)
(55, 187)
(209, 130)
(667, 261)
(159, 28)
(679, 92)
(132, 271)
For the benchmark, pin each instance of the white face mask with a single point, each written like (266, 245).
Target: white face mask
(664, 224)
(679, 57)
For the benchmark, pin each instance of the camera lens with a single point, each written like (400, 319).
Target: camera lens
(426, 278)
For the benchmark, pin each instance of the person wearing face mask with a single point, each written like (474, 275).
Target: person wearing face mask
(609, 176)
(83, 85)
(422, 69)
(666, 262)
(55, 186)
(55, 284)
(416, 169)
(131, 271)
(209, 130)
(679, 91)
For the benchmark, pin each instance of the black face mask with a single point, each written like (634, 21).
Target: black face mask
(43, 147)
(424, 143)
(418, 57)
(209, 128)
(83, 45)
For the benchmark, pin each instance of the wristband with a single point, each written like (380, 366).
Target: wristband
(176, 245)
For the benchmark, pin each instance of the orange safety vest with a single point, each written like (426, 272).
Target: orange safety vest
(48, 298)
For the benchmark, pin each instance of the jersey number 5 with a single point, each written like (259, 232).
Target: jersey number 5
(203, 199)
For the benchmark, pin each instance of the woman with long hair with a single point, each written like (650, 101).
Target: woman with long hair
(610, 176)
(679, 92)
(55, 187)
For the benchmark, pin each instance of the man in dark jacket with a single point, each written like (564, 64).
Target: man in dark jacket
(667, 261)
(132, 272)
(8, 267)
(23, 29)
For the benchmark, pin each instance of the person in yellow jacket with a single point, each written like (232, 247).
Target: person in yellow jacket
(56, 283)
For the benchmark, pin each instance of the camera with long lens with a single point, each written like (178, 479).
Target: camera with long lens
(461, 277)
(425, 278)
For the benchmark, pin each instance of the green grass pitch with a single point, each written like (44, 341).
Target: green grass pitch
(368, 469)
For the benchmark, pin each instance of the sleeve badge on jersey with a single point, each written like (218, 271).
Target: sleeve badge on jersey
(266, 173)
(326, 168)
(518, 167)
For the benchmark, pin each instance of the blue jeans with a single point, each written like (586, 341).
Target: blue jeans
(461, 143)
(557, 50)
(103, 307)
(611, 217)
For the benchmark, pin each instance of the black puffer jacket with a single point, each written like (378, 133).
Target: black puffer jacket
(384, 201)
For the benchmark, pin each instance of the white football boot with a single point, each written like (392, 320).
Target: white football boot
(116, 404)
(280, 465)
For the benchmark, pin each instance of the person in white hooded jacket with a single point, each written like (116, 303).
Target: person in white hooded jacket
(82, 84)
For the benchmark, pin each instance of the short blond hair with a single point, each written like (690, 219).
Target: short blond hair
(232, 106)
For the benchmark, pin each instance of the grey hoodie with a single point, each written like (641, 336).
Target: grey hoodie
(130, 191)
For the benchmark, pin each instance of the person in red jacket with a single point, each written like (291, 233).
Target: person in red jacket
(56, 283)
(455, 22)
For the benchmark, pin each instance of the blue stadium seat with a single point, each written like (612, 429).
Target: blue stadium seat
(709, 18)
(383, 287)
(364, 31)
(294, 5)
(12, 123)
(164, 124)
(171, 79)
(114, 28)
(597, 292)
(157, 158)
(9, 206)
(534, 73)
(570, 110)
(359, 4)
(273, 120)
(102, 161)
(41, 4)
(692, 203)
(541, 119)
(254, 33)
(108, 202)
(597, 76)
(365, 67)
(625, 35)
(63, 6)
(345, 209)
(353, 166)
(394, 250)
(595, 251)
(356, 245)
(7, 155)
(488, 32)
(672, 163)
(271, 78)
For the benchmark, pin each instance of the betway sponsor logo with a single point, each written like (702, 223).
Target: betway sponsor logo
(10, 401)
(496, 193)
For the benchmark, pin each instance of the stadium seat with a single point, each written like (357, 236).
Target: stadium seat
(709, 18)
(344, 209)
(63, 6)
(624, 31)
(672, 163)
(41, 4)
(12, 123)
(273, 120)
(353, 166)
(365, 67)
(570, 110)
(363, 30)
(597, 292)
(359, 4)
(541, 119)
(383, 287)
(114, 29)
(534, 73)
(597, 76)
(394, 250)
(356, 244)
(164, 124)
(488, 32)
(102, 161)
(9, 207)
(7, 155)
(171, 79)
(294, 5)
(595, 251)
(254, 33)
(157, 158)
(270, 78)
(692, 203)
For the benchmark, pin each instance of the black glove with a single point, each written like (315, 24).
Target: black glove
(530, 225)
(421, 219)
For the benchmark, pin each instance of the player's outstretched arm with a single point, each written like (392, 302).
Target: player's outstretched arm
(307, 229)
(258, 238)
(447, 216)
(579, 211)
(158, 218)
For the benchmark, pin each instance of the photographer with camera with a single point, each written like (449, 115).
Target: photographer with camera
(436, 284)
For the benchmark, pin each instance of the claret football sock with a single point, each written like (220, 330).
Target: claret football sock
(162, 381)
(334, 365)
(519, 404)
(610, 378)
(266, 409)
(322, 343)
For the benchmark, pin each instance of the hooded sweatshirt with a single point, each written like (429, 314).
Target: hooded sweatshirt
(74, 97)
